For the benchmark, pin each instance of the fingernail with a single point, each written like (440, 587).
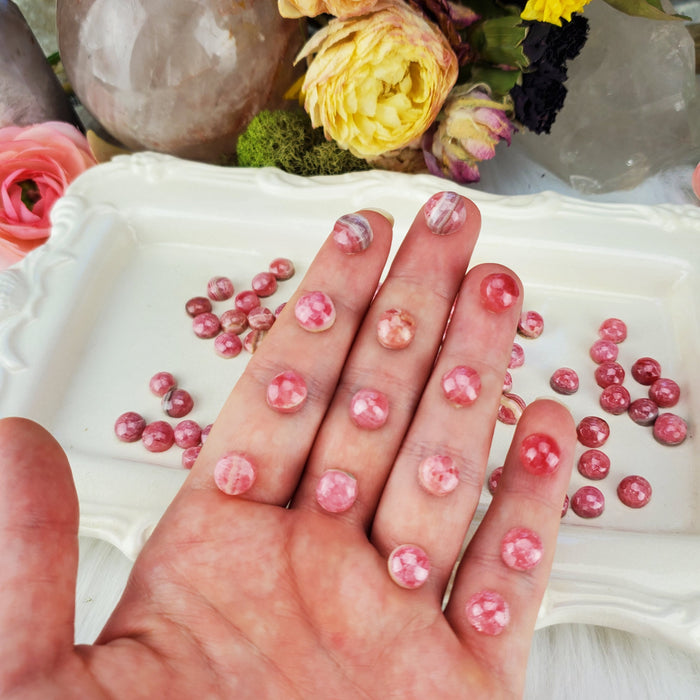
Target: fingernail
(352, 233)
(445, 213)
(389, 217)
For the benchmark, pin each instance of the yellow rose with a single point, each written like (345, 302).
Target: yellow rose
(311, 8)
(377, 82)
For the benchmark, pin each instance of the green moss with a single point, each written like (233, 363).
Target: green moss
(286, 140)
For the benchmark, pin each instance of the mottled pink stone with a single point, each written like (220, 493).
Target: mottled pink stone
(219, 288)
(445, 213)
(396, 329)
(494, 478)
(521, 549)
(197, 305)
(588, 502)
(369, 409)
(664, 392)
(189, 456)
(336, 491)
(286, 392)
(488, 612)
(228, 345)
(564, 381)
(234, 321)
(603, 351)
(517, 356)
(352, 233)
(539, 454)
(592, 431)
(594, 464)
(499, 291)
(609, 372)
(615, 399)
(438, 474)
(161, 383)
(461, 385)
(206, 325)
(634, 491)
(613, 329)
(158, 436)
(643, 411)
(315, 311)
(187, 433)
(531, 324)
(670, 429)
(282, 268)
(129, 426)
(261, 318)
(264, 284)
(409, 566)
(234, 473)
(246, 301)
(646, 370)
(177, 403)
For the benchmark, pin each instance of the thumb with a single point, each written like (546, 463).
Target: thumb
(38, 551)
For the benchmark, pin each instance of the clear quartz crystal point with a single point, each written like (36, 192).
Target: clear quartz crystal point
(632, 107)
(178, 76)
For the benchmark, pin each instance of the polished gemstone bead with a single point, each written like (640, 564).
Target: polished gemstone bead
(252, 340)
(564, 381)
(592, 431)
(177, 403)
(315, 311)
(246, 300)
(517, 356)
(670, 429)
(409, 566)
(565, 506)
(158, 436)
(488, 612)
(494, 478)
(219, 288)
(498, 292)
(613, 329)
(234, 321)
(539, 454)
(336, 491)
(664, 392)
(603, 351)
(264, 284)
(161, 383)
(594, 464)
(521, 549)
(396, 329)
(206, 325)
(282, 268)
(531, 324)
(646, 370)
(588, 502)
(261, 318)
(461, 385)
(615, 399)
(198, 305)
(189, 456)
(228, 345)
(445, 213)
(438, 474)
(510, 408)
(634, 491)
(352, 233)
(234, 473)
(129, 426)
(187, 433)
(369, 409)
(610, 372)
(286, 392)
(507, 382)
(643, 411)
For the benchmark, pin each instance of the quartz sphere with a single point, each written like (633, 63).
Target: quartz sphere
(183, 77)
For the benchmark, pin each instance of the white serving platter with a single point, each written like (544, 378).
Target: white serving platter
(89, 317)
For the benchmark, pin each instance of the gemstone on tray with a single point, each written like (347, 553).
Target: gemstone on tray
(129, 426)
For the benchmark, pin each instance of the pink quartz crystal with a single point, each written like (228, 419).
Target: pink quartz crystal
(177, 403)
(395, 329)
(161, 383)
(286, 392)
(588, 502)
(219, 288)
(634, 491)
(613, 329)
(592, 431)
(336, 491)
(539, 454)
(521, 549)
(409, 566)
(615, 399)
(461, 385)
(531, 324)
(445, 213)
(438, 474)
(234, 473)
(129, 426)
(264, 284)
(282, 268)
(352, 233)
(499, 291)
(315, 311)
(594, 464)
(206, 325)
(228, 345)
(564, 381)
(187, 433)
(369, 409)
(488, 612)
(158, 436)
(670, 429)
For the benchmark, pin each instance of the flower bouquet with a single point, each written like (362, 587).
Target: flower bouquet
(419, 85)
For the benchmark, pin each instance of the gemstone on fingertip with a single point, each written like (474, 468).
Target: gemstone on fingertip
(286, 392)
(488, 612)
(234, 473)
(521, 549)
(498, 292)
(539, 454)
(438, 475)
(369, 409)
(315, 311)
(336, 491)
(445, 213)
(409, 566)
(396, 329)
(461, 385)
(352, 233)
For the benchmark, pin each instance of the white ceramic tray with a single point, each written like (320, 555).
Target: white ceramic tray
(89, 317)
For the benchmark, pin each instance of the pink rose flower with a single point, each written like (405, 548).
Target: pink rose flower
(37, 163)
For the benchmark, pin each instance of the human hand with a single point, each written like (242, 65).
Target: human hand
(238, 596)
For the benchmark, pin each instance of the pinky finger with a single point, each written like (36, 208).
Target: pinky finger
(504, 572)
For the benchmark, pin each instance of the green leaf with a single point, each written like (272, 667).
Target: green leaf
(651, 9)
(499, 41)
(500, 81)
